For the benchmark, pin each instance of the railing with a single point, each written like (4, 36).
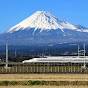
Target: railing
(19, 67)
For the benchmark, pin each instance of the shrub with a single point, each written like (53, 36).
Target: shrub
(42, 82)
(5, 82)
(36, 82)
(13, 83)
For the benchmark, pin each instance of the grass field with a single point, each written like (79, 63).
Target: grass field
(45, 77)
(80, 78)
(43, 86)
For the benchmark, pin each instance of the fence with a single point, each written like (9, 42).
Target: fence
(19, 67)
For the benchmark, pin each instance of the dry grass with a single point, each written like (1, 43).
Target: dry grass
(43, 86)
(45, 77)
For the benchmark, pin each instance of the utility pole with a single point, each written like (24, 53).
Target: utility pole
(78, 50)
(84, 55)
(6, 55)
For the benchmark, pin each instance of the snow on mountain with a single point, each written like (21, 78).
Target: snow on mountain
(83, 29)
(44, 28)
(45, 21)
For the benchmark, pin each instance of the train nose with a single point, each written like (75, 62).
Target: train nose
(27, 61)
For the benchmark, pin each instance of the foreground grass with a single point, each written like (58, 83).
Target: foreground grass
(45, 77)
(44, 86)
(52, 83)
(43, 80)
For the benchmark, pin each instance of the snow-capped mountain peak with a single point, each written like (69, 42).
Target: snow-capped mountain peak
(43, 28)
(43, 20)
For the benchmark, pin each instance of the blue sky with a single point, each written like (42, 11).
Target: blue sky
(14, 11)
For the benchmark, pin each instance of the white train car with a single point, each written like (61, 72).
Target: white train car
(59, 59)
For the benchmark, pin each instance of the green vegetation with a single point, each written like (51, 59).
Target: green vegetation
(4, 82)
(8, 83)
(36, 82)
(13, 83)
(31, 83)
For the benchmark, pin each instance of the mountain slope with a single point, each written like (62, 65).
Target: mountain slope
(43, 20)
(43, 28)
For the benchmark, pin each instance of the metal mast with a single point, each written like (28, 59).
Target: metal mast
(6, 55)
(78, 50)
(84, 54)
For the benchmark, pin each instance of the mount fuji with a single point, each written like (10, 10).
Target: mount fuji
(43, 28)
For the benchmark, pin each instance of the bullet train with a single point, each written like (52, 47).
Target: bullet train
(59, 59)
